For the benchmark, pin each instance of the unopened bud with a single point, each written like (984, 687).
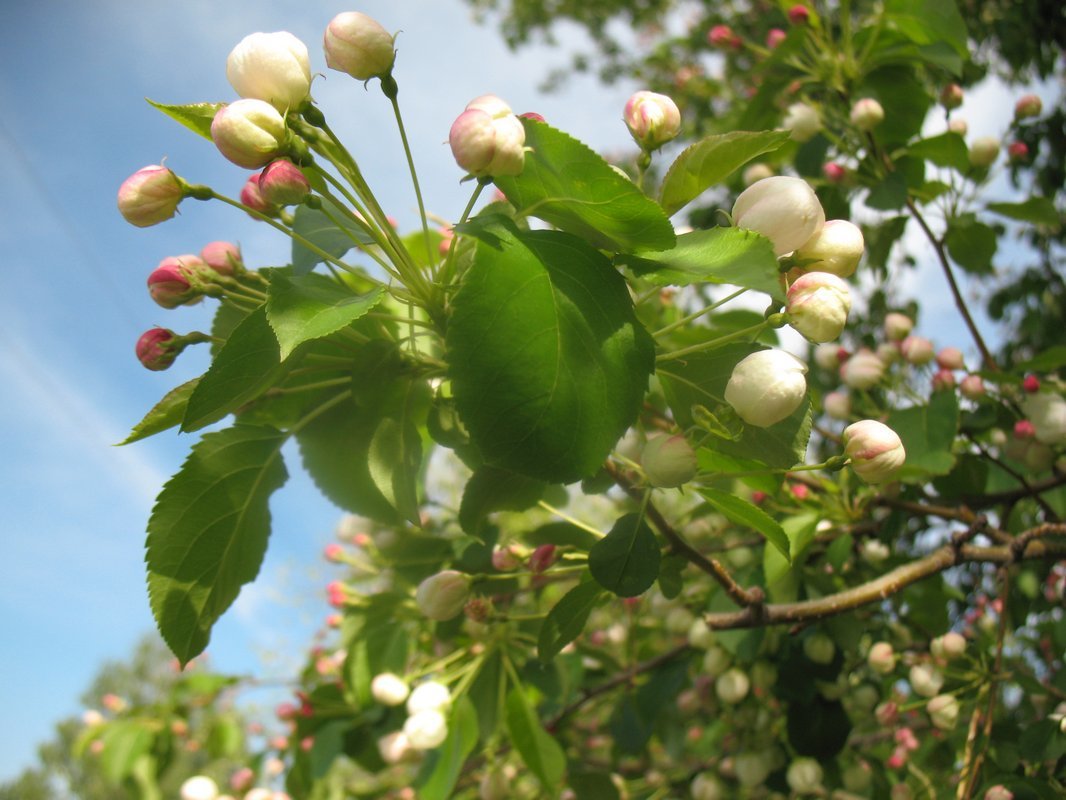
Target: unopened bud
(426, 730)
(272, 67)
(429, 696)
(783, 209)
(668, 461)
(948, 647)
(835, 248)
(837, 405)
(874, 551)
(653, 119)
(722, 36)
(943, 711)
(951, 96)
(542, 558)
(867, 114)
(972, 387)
(897, 326)
(943, 379)
(799, 14)
(393, 747)
(443, 595)
(253, 198)
(1031, 384)
(819, 648)
(171, 283)
(156, 349)
(917, 350)
(357, 44)
(1047, 417)
(149, 196)
(766, 387)
(818, 305)
(827, 356)
(804, 776)
(881, 658)
(926, 680)
(802, 121)
(199, 787)
(223, 257)
(875, 450)
(950, 358)
(706, 786)
(487, 139)
(863, 370)
(999, 792)
(389, 689)
(755, 173)
(774, 38)
(886, 713)
(958, 125)
(1029, 105)
(250, 133)
(505, 559)
(834, 173)
(242, 779)
(732, 686)
(282, 183)
(984, 151)
(1017, 152)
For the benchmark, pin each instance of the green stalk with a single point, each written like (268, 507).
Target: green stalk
(714, 343)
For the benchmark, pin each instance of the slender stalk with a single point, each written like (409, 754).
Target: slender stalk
(714, 343)
(444, 277)
(697, 314)
(414, 176)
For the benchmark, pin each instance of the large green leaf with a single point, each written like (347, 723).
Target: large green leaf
(626, 560)
(125, 741)
(572, 187)
(1037, 210)
(718, 255)
(445, 765)
(971, 244)
(492, 489)
(335, 236)
(946, 150)
(165, 414)
(928, 434)
(248, 364)
(548, 362)
(567, 619)
(712, 160)
(541, 753)
(306, 307)
(208, 532)
(197, 117)
(927, 22)
(741, 512)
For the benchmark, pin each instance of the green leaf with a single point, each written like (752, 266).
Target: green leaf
(880, 239)
(926, 22)
(125, 741)
(718, 255)
(1037, 210)
(321, 231)
(710, 161)
(548, 362)
(626, 560)
(741, 512)
(492, 489)
(197, 117)
(208, 532)
(928, 433)
(971, 244)
(570, 186)
(327, 745)
(567, 619)
(446, 766)
(541, 753)
(946, 150)
(1048, 361)
(307, 307)
(165, 414)
(247, 365)
(900, 88)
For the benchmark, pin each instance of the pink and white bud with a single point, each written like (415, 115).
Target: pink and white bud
(357, 44)
(999, 792)
(926, 680)
(951, 96)
(948, 647)
(1017, 152)
(766, 387)
(426, 730)
(668, 461)
(943, 379)
(972, 387)
(817, 305)
(150, 195)
(819, 648)
(958, 125)
(943, 711)
(802, 121)
(90, 718)
(242, 779)
(272, 67)
(827, 356)
(888, 352)
(250, 133)
(886, 713)
(505, 559)
(199, 787)
(984, 151)
(389, 689)
(799, 14)
(223, 257)
(783, 209)
(722, 36)
(156, 349)
(1047, 415)
(170, 284)
(897, 326)
(950, 358)
(804, 776)
(875, 450)
(834, 173)
(863, 370)
(754, 173)
(835, 248)
(706, 786)
(774, 38)
(443, 595)
(1029, 105)
(837, 405)
(867, 114)
(282, 183)
(653, 119)
(541, 558)
(881, 658)
(393, 747)
(487, 139)
(732, 686)
(917, 350)
(252, 197)
(429, 696)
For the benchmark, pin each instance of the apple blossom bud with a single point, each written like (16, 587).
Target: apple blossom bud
(150, 195)
(505, 559)
(282, 183)
(951, 96)
(357, 44)
(925, 679)
(999, 792)
(715, 661)
(752, 769)
(802, 121)
(668, 461)
(783, 209)
(874, 552)
(679, 620)
(819, 648)
(835, 248)
(1047, 414)
(950, 358)
(948, 647)
(250, 133)
(1029, 105)
(1017, 152)
(242, 779)
(253, 198)
(653, 119)
(754, 173)
(722, 36)
(732, 686)
(487, 139)
(541, 558)
(943, 711)
(199, 787)
(863, 370)
(429, 696)
(706, 786)
(804, 776)
(1031, 384)
(170, 284)
(984, 151)
(917, 350)
(91, 718)
(700, 636)
(958, 125)
(1023, 429)
(881, 658)
(393, 747)
(272, 67)
(799, 14)
(886, 713)
(223, 257)
(259, 793)
(875, 450)
(426, 729)
(943, 379)
(766, 387)
(389, 689)
(156, 349)
(818, 305)
(897, 326)
(333, 552)
(774, 38)
(443, 595)
(834, 173)
(827, 356)
(837, 405)
(972, 387)
(867, 114)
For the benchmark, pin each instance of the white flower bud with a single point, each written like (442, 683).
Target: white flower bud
(827, 356)
(443, 595)
(948, 647)
(715, 661)
(926, 679)
(706, 786)
(863, 370)
(428, 696)
(389, 689)
(426, 729)
(836, 247)
(917, 350)
(804, 776)
(875, 450)
(393, 747)
(250, 133)
(272, 67)
(755, 173)
(653, 119)
(679, 620)
(766, 387)
(752, 769)
(972, 387)
(199, 787)
(984, 151)
(943, 711)
(897, 326)
(819, 648)
(803, 122)
(149, 196)
(999, 792)
(732, 686)
(818, 306)
(867, 114)
(837, 405)
(785, 210)
(1047, 412)
(357, 44)
(700, 636)
(668, 461)
(874, 551)
(487, 139)
(881, 658)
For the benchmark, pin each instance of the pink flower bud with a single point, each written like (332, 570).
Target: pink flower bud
(252, 197)
(668, 461)
(1018, 151)
(170, 283)
(837, 405)
(443, 595)
(223, 257)
(999, 792)
(943, 711)
(799, 14)
(1028, 106)
(917, 350)
(149, 196)
(867, 114)
(881, 658)
(827, 356)
(282, 183)
(1047, 417)
(723, 36)
(875, 450)
(389, 689)
(334, 621)
(242, 779)
(926, 680)
(487, 139)
(984, 151)
(802, 121)
(950, 358)
(542, 558)
(1031, 384)
(863, 370)
(834, 173)
(653, 119)
(250, 133)
(906, 739)
(774, 37)
(732, 686)
(897, 326)
(958, 125)
(505, 559)
(766, 387)
(199, 787)
(951, 96)
(948, 647)
(333, 552)
(836, 248)
(886, 713)
(272, 67)
(357, 44)
(943, 379)
(155, 349)
(783, 209)
(817, 305)
(972, 387)
(1023, 429)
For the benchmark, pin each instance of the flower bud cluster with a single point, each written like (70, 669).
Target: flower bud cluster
(487, 139)
(653, 119)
